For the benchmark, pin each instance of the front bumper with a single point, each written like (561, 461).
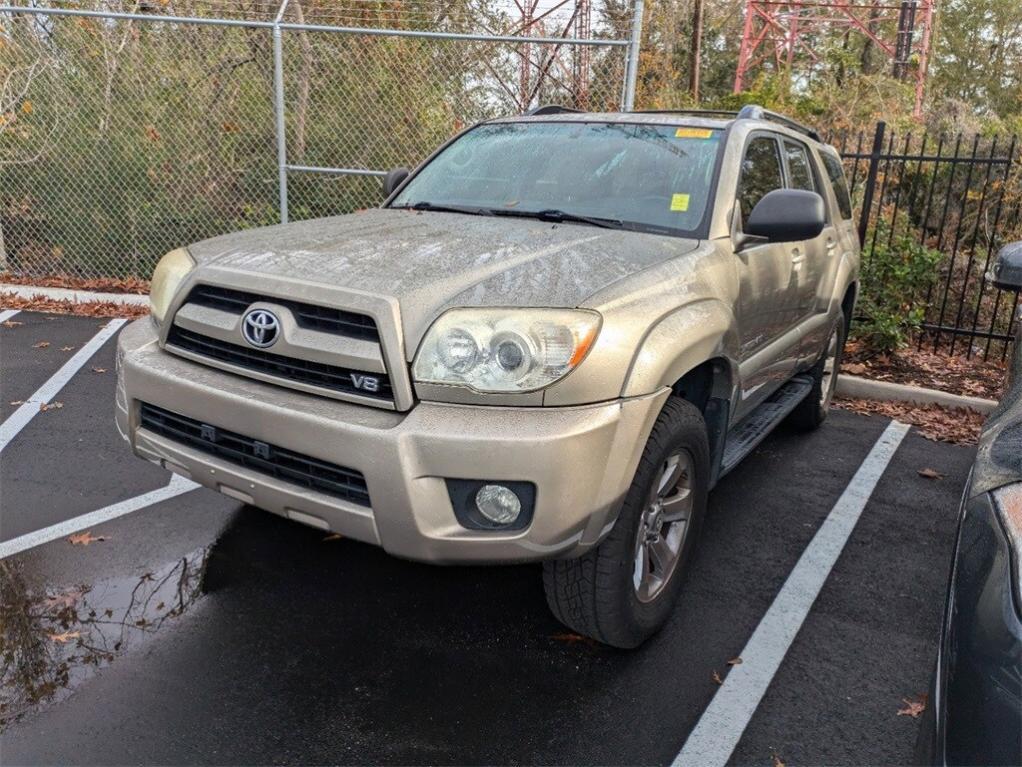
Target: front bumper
(581, 459)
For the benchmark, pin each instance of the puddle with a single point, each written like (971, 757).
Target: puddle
(50, 642)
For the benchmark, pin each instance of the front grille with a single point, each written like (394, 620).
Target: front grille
(322, 318)
(291, 368)
(277, 462)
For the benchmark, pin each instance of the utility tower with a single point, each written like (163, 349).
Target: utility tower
(539, 65)
(782, 35)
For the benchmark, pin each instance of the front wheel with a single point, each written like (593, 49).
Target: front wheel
(812, 411)
(622, 592)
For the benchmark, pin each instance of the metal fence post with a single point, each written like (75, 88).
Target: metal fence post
(871, 180)
(632, 68)
(278, 111)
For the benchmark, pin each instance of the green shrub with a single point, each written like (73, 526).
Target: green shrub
(896, 274)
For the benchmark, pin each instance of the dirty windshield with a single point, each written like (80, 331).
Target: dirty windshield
(655, 178)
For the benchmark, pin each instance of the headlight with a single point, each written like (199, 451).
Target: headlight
(167, 277)
(505, 350)
(1008, 500)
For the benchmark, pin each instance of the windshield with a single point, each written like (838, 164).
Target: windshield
(646, 177)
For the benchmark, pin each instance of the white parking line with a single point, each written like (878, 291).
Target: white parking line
(6, 314)
(177, 486)
(719, 729)
(30, 408)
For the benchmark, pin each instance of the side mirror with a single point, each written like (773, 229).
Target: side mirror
(787, 215)
(1006, 272)
(394, 178)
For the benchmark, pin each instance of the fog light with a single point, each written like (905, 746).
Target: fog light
(498, 504)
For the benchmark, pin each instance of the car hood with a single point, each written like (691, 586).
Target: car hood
(431, 261)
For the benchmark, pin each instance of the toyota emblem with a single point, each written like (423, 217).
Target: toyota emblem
(260, 328)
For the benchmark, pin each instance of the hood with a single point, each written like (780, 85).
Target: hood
(431, 261)
(999, 456)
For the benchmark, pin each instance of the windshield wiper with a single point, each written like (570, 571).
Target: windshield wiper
(427, 205)
(560, 216)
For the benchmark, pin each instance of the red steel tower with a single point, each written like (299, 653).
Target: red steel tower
(784, 34)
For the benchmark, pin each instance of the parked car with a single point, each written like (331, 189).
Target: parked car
(974, 712)
(548, 344)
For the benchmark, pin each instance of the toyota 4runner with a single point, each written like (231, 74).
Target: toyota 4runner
(549, 343)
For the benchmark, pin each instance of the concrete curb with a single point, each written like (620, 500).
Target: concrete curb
(864, 388)
(76, 296)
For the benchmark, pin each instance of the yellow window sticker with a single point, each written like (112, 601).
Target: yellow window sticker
(693, 133)
(679, 203)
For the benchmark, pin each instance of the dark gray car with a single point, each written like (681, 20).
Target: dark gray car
(974, 714)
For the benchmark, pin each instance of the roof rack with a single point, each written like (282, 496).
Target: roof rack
(550, 109)
(756, 112)
(695, 112)
(748, 112)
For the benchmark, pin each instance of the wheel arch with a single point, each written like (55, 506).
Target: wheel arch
(709, 386)
(679, 343)
(693, 351)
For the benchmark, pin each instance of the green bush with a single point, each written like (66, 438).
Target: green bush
(897, 272)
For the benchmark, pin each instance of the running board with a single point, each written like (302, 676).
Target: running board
(744, 437)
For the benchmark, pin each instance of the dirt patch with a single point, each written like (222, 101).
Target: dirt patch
(954, 374)
(66, 306)
(957, 426)
(99, 285)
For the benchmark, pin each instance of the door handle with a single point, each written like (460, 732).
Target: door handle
(797, 256)
(831, 246)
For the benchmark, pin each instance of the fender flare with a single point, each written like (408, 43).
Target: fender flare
(679, 342)
(847, 276)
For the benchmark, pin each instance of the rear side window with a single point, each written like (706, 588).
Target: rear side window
(761, 173)
(799, 172)
(836, 174)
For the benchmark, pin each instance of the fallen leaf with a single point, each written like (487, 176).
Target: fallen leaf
(716, 677)
(734, 661)
(41, 345)
(84, 539)
(12, 323)
(854, 369)
(43, 407)
(17, 402)
(572, 639)
(99, 370)
(930, 474)
(64, 638)
(160, 606)
(777, 761)
(67, 348)
(333, 537)
(913, 708)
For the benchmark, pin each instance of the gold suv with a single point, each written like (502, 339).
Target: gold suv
(549, 343)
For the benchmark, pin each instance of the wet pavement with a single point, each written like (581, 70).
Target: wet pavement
(201, 631)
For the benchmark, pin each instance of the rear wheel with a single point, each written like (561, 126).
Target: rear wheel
(622, 592)
(812, 411)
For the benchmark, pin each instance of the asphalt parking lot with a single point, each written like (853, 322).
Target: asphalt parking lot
(194, 630)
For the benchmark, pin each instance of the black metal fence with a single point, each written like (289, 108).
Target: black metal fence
(961, 195)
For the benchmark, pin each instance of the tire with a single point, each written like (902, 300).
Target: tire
(596, 595)
(812, 411)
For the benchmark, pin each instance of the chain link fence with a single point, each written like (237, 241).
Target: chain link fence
(127, 129)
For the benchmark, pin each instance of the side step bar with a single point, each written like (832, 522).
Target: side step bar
(745, 436)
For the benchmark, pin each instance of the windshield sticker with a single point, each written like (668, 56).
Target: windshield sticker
(693, 133)
(679, 203)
